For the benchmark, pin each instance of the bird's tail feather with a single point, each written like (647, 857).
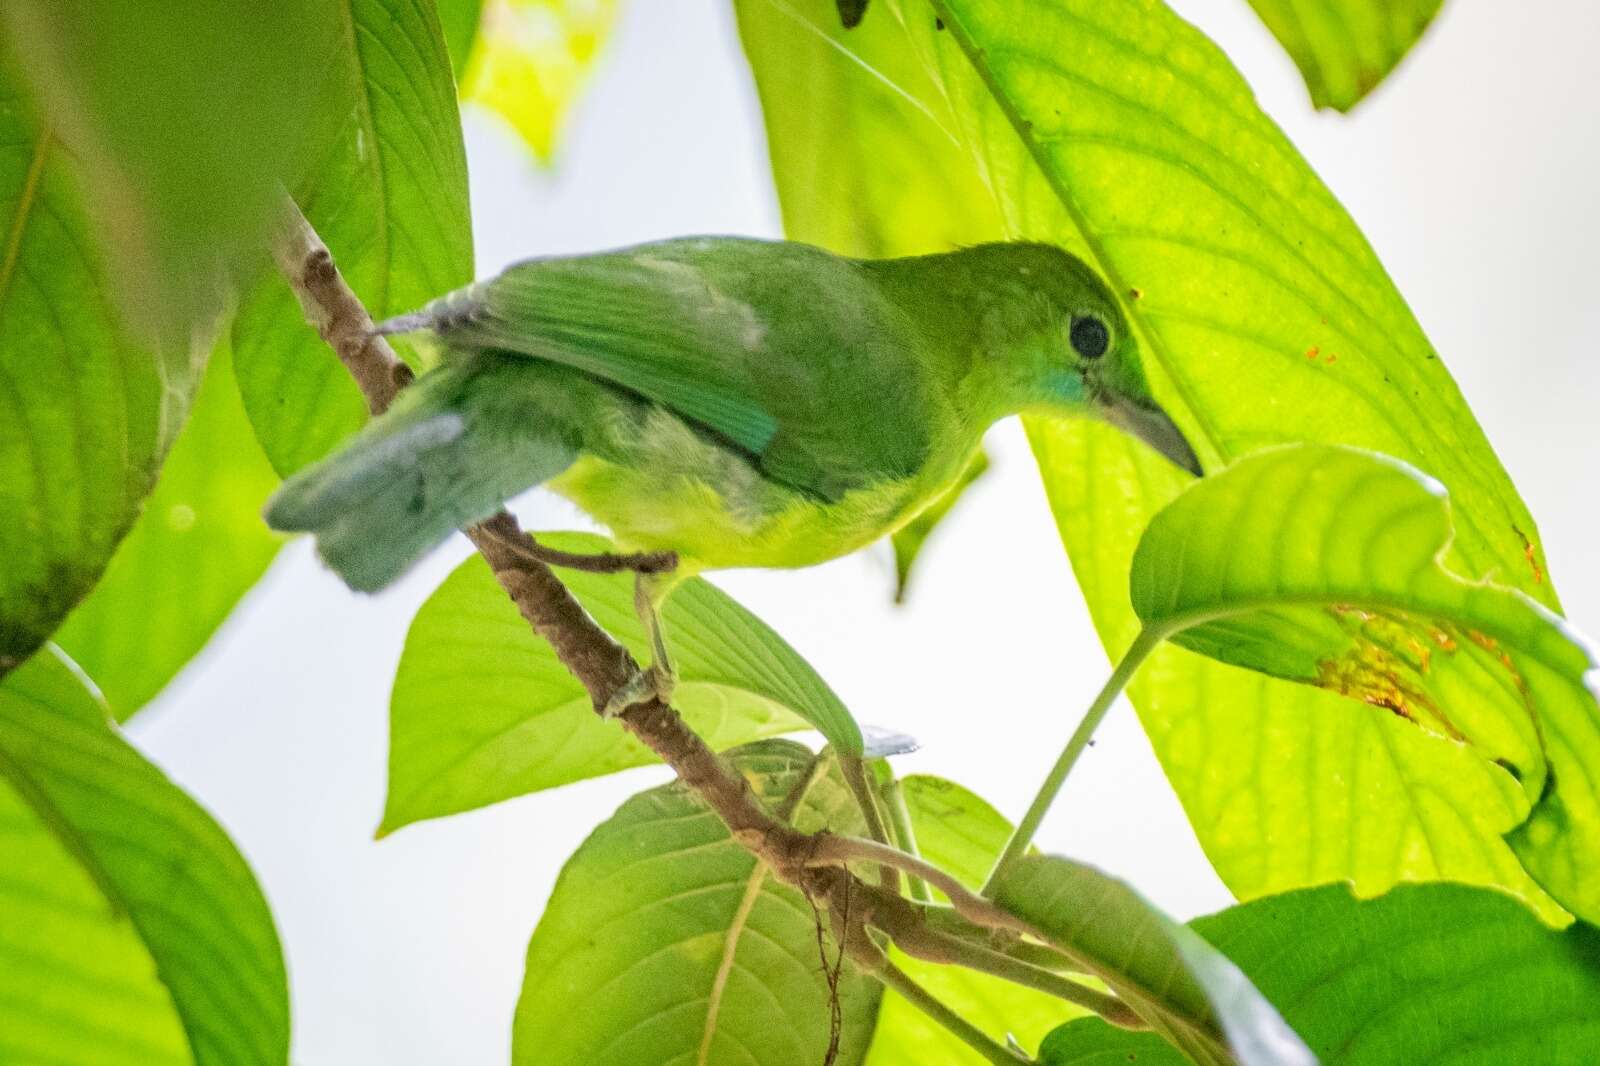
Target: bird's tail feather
(434, 463)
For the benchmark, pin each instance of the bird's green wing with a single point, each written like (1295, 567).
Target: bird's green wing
(651, 325)
(779, 349)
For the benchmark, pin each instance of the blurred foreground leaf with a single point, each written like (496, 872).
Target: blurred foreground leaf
(185, 127)
(85, 414)
(533, 59)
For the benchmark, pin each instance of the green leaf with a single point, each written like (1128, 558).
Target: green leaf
(459, 21)
(1118, 131)
(663, 941)
(1185, 988)
(390, 202)
(1344, 48)
(134, 932)
(960, 833)
(197, 548)
(533, 60)
(185, 129)
(482, 709)
(1426, 973)
(864, 148)
(909, 539)
(85, 415)
(1321, 565)
(1265, 317)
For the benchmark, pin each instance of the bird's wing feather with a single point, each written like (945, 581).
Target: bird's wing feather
(652, 330)
(710, 331)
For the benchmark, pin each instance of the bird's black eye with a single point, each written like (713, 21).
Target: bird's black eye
(1089, 336)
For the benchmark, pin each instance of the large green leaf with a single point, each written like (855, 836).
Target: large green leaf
(665, 942)
(390, 202)
(1117, 130)
(1427, 973)
(1344, 48)
(482, 709)
(960, 833)
(864, 147)
(85, 415)
(133, 932)
(197, 548)
(459, 20)
(1320, 564)
(186, 126)
(1185, 988)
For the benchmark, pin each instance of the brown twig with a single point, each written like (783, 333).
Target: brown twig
(588, 562)
(836, 851)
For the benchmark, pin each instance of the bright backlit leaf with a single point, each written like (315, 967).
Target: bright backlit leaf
(134, 932)
(1344, 48)
(482, 709)
(1321, 565)
(1118, 131)
(665, 942)
(460, 20)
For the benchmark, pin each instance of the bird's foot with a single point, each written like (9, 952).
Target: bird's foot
(651, 683)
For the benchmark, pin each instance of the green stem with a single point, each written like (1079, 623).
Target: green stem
(855, 775)
(959, 1027)
(1143, 645)
(900, 822)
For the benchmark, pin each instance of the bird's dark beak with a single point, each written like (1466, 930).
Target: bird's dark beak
(1150, 424)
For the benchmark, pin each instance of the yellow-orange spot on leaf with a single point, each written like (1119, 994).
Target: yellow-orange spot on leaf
(1312, 352)
(1531, 554)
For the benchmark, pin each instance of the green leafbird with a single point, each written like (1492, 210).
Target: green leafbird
(738, 402)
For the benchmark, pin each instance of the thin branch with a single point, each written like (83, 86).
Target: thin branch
(339, 317)
(589, 562)
(832, 850)
(921, 942)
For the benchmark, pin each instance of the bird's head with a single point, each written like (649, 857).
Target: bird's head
(1077, 351)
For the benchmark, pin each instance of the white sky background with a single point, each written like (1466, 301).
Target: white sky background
(1474, 172)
